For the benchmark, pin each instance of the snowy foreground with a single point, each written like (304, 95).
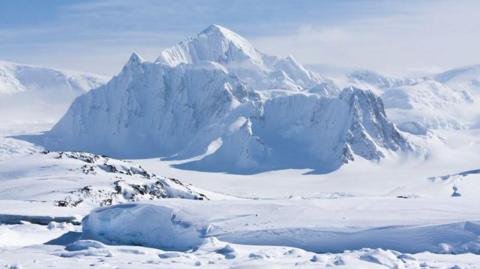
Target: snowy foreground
(360, 217)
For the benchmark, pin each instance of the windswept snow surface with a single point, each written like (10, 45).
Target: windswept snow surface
(318, 225)
(216, 254)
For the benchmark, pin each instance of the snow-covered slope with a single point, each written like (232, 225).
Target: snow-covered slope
(31, 93)
(367, 79)
(76, 179)
(218, 100)
(464, 78)
(428, 104)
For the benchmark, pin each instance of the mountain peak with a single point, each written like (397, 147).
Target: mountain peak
(216, 43)
(218, 31)
(215, 28)
(135, 58)
(221, 34)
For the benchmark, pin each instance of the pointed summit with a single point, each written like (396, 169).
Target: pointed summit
(135, 59)
(224, 34)
(133, 65)
(233, 52)
(215, 28)
(216, 44)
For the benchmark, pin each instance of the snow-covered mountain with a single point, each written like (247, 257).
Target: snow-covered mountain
(419, 105)
(218, 100)
(32, 93)
(367, 79)
(429, 104)
(256, 69)
(466, 78)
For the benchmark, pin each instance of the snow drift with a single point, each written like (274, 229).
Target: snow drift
(183, 226)
(217, 99)
(166, 228)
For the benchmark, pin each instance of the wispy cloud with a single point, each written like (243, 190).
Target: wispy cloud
(434, 36)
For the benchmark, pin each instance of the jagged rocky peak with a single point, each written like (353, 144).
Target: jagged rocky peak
(132, 68)
(370, 130)
(134, 59)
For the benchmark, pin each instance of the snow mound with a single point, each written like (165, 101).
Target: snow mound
(83, 245)
(180, 227)
(217, 102)
(161, 227)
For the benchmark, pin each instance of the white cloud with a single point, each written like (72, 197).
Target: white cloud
(435, 37)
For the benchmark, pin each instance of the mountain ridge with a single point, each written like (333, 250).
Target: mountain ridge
(26, 90)
(251, 114)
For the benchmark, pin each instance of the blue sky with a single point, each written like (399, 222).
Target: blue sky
(395, 37)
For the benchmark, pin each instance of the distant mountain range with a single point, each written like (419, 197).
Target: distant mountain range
(32, 93)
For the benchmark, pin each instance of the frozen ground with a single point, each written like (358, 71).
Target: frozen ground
(394, 215)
